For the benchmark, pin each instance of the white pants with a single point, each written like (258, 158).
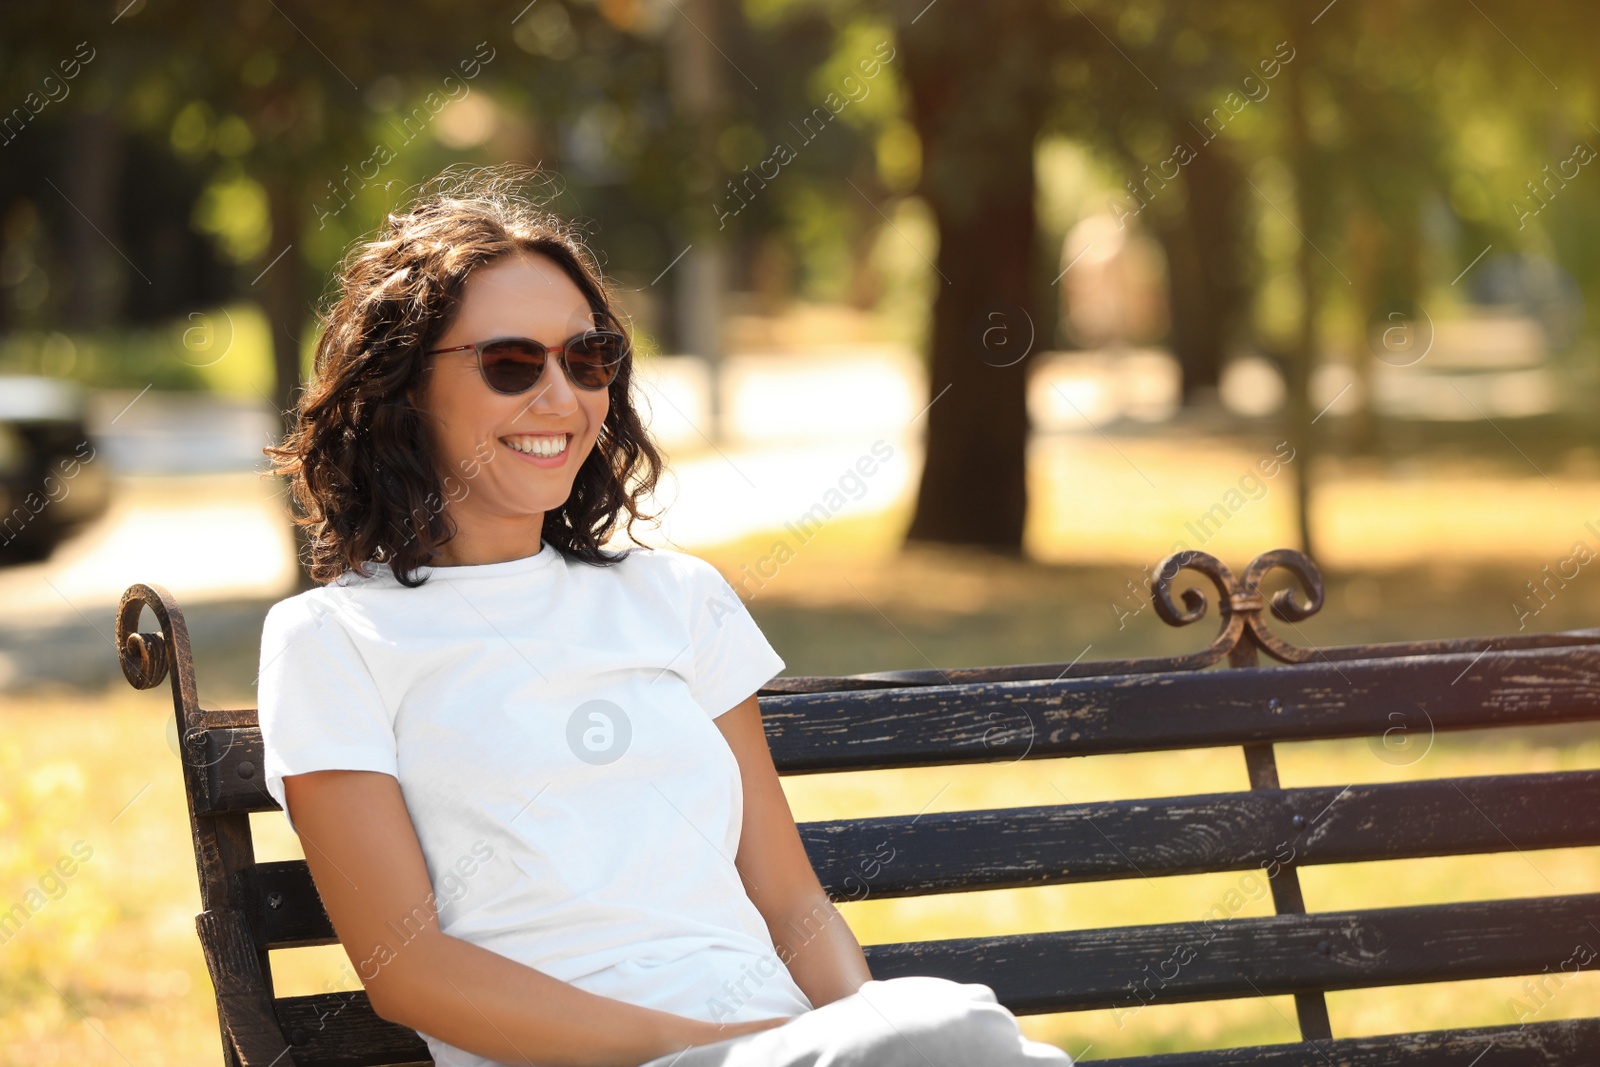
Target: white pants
(914, 1021)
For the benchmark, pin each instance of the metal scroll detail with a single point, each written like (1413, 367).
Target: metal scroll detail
(1240, 602)
(148, 658)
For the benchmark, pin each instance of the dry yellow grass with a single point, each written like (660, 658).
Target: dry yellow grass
(105, 968)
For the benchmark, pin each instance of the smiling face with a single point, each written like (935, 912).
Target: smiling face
(496, 492)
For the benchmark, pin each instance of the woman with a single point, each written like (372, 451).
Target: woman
(529, 777)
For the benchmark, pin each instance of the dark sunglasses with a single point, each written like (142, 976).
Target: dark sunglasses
(512, 365)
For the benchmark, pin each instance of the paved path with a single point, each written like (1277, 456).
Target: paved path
(190, 513)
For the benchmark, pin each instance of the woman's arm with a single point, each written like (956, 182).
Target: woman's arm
(368, 868)
(810, 935)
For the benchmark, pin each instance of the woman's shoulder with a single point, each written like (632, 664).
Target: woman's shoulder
(682, 568)
(672, 577)
(312, 607)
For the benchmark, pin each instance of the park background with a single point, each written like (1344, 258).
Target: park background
(1084, 270)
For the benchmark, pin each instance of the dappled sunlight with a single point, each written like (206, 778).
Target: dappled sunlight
(1134, 500)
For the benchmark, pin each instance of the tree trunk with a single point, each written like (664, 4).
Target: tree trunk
(282, 292)
(978, 106)
(700, 282)
(99, 277)
(1206, 288)
(1364, 235)
(1310, 192)
(1196, 331)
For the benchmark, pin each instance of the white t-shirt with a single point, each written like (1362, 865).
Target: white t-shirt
(549, 723)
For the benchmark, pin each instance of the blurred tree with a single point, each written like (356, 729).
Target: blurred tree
(97, 222)
(978, 102)
(1163, 90)
(1311, 195)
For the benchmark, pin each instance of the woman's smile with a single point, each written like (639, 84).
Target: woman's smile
(540, 449)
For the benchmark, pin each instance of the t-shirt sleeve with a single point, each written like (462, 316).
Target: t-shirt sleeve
(732, 657)
(317, 703)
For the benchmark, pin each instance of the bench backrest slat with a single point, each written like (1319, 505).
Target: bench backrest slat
(940, 725)
(1002, 721)
(1122, 968)
(1004, 848)
(1082, 668)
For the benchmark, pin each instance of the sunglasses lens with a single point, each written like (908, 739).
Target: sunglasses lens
(512, 365)
(594, 359)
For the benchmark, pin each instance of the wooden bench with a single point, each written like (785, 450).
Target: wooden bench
(1042, 711)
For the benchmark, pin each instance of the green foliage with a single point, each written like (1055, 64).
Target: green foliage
(1430, 126)
(224, 350)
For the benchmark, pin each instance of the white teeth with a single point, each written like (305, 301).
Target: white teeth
(548, 447)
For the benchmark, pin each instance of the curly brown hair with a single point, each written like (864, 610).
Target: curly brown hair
(362, 469)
